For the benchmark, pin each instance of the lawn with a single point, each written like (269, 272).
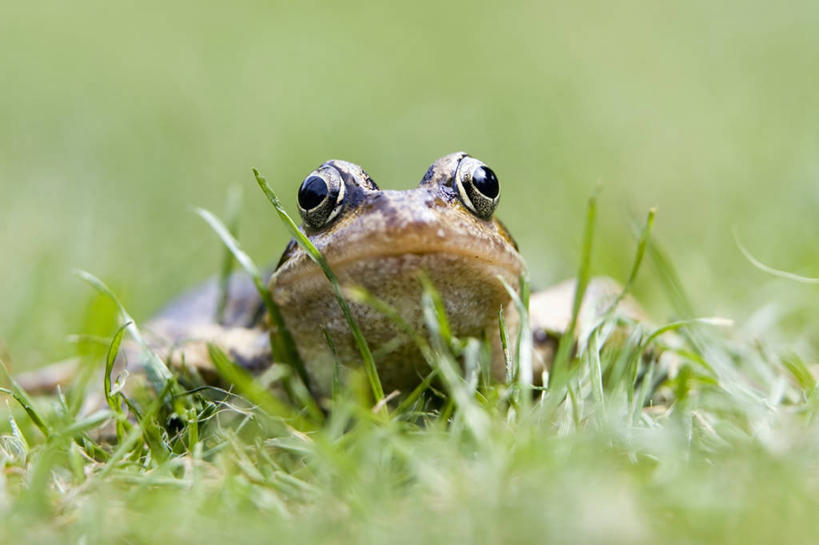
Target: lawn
(116, 121)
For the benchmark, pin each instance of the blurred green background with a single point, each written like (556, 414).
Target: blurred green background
(115, 118)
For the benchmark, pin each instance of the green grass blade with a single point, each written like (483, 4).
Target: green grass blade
(125, 446)
(233, 208)
(88, 423)
(642, 245)
(251, 389)
(408, 401)
(524, 347)
(475, 419)
(504, 339)
(230, 242)
(596, 371)
(335, 389)
(302, 240)
(158, 373)
(674, 326)
(359, 295)
(770, 270)
(567, 340)
(364, 297)
(16, 432)
(800, 371)
(282, 343)
(113, 399)
(671, 281)
(110, 360)
(20, 396)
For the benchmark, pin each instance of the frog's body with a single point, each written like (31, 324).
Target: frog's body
(380, 240)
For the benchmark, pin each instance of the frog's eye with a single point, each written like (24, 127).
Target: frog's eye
(321, 197)
(478, 187)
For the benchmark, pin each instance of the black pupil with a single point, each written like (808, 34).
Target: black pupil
(312, 192)
(486, 182)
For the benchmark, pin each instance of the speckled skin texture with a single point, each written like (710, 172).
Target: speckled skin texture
(382, 241)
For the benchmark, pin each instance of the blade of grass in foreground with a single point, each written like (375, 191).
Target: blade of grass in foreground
(158, 373)
(671, 280)
(141, 430)
(595, 344)
(567, 340)
(642, 244)
(359, 295)
(770, 270)
(523, 352)
(22, 398)
(283, 345)
(113, 399)
(474, 418)
(250, 388)
(504, 339)
(234, 204)
(315, 255)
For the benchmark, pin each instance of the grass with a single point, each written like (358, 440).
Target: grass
(719, 451)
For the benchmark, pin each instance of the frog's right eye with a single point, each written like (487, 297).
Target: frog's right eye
(321, 197)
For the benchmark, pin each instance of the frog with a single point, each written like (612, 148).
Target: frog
(383, 242)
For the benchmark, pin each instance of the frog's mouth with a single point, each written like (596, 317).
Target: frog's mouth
(478, 256)
(382, 260)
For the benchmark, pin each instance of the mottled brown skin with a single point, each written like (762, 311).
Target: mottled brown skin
(382, 241)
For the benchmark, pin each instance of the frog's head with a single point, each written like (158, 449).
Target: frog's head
(382, 240)
(351, 220)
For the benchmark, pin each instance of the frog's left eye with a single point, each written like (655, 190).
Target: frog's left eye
(321, 197)
(478, 187)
